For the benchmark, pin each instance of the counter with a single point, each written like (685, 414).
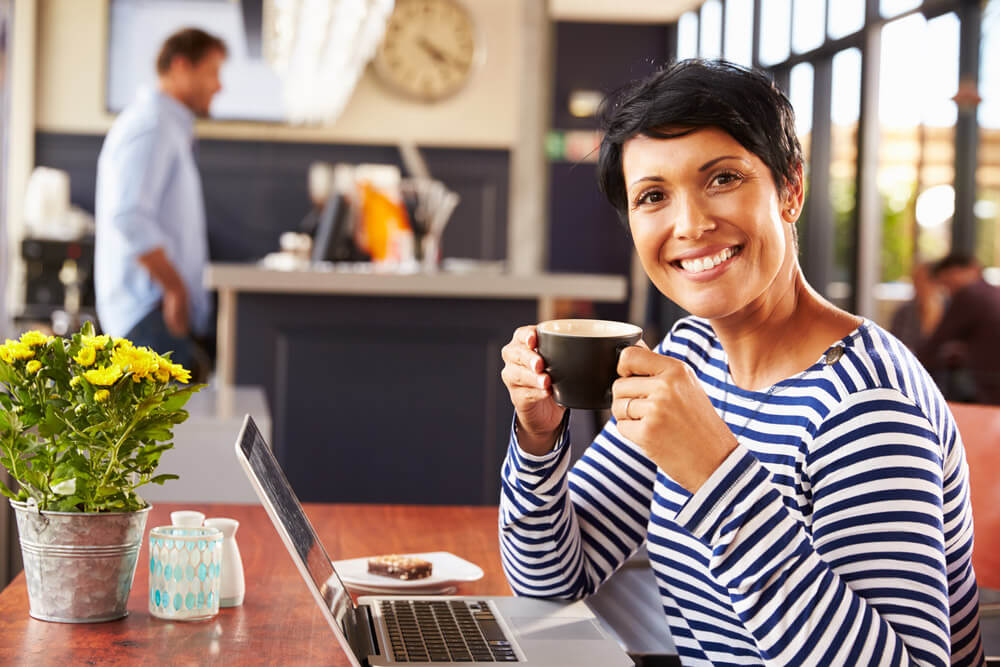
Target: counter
(385, 387)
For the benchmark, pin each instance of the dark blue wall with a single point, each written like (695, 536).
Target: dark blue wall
(255, 190)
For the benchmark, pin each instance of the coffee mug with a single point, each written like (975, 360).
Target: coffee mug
(581, 358)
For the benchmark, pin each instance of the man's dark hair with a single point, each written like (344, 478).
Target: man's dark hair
(190, 43)
(955, 260)
(692, 94)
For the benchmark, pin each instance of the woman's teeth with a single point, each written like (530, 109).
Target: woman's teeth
(705, 263)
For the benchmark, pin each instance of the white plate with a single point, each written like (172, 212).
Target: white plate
(448, 569)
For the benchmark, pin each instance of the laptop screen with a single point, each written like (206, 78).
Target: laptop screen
(290, 518)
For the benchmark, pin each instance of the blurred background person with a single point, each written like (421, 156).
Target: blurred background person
(915, 320)
(151, 241)
(961, 350)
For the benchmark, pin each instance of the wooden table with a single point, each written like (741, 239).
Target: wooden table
(279, 623)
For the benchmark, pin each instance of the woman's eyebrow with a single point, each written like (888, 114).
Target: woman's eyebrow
(709, 164)
(645, 179)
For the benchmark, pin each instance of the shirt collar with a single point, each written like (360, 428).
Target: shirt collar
(183, 116)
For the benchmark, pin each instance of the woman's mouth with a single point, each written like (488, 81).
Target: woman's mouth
(708, 262)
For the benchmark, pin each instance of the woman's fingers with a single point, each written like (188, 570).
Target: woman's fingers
(629, 408)
(514, 375)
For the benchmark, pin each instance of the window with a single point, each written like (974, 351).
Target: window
(687, 36)
(739, 35)
(775, 30)
(711, 29)
(846, 17)
(807, 24)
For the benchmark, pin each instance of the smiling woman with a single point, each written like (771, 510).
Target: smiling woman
(797, 478)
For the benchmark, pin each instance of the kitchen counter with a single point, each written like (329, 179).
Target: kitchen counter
(401, 371)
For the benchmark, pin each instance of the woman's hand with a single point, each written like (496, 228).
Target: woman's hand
(538, 415)
(661, 407)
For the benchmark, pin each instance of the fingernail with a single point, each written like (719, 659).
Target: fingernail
(541, 382)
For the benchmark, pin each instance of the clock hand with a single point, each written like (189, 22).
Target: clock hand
(438, 55)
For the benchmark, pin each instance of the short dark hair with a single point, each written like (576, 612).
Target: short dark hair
(955, 260)
(189, 43)
(692, 94)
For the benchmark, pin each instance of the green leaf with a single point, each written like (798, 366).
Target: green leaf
(178, 399)
(160, 479)
(51, 425)
(7, 492)
(106, 491)
(68, 504)
(58, 349)
(87, 329)
(59, 403)
(64, 487)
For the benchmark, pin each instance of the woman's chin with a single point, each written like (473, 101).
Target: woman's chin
(708, 306)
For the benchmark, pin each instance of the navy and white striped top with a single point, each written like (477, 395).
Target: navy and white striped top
(838, 532)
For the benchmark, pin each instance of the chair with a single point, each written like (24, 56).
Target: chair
(980, 429)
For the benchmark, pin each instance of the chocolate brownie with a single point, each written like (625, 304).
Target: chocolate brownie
(400, 567)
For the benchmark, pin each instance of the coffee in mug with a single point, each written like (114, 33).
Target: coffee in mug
(581, 358)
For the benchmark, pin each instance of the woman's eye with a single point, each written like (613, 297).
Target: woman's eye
(649, 197)
(725, 178)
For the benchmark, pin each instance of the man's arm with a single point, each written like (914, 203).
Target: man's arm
(175, 301)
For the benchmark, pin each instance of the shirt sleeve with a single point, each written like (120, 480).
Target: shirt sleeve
(868, 583)
(564, 532)
(140, 170)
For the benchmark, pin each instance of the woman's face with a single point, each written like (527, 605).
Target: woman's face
(710, 228)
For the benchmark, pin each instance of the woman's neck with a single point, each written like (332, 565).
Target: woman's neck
(782, 335)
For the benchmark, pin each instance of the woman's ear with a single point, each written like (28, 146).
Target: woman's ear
(794, 196)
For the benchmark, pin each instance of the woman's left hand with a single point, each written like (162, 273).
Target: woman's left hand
(661, 407)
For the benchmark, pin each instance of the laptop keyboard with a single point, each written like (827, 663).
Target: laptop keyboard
(445, 631)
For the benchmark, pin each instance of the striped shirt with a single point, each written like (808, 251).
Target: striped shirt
(838, 532)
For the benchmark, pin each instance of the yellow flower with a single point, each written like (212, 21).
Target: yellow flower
(162, 369)
(13, 350)
(33, 366)
(35, 338)
(180, 373)
(101, 395)
(96, 342)
(86, 356)
(142, 361)
(104, 377)
(75, 380)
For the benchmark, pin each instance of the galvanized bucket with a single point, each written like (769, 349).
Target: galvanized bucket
(79, 565)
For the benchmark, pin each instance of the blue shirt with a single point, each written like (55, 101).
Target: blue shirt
(838, 532)
(148, 196)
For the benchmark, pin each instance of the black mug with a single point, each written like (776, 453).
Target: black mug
(581, 358)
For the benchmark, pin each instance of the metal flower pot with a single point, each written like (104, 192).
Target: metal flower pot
(79, 565)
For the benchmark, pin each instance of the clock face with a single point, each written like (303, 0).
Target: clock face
(429, 49)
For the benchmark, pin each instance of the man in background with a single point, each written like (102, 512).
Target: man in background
(962, 350)
(151, 240)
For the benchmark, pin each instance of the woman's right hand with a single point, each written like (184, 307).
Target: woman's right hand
(530, 388)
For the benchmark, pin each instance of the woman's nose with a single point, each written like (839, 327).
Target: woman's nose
(690, 221)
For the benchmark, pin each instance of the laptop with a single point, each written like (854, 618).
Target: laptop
(380, 631)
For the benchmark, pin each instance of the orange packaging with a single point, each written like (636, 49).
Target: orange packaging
(382, 218)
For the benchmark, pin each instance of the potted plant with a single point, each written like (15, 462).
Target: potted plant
(83, 423)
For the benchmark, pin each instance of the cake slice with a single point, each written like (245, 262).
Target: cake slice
(400, 567)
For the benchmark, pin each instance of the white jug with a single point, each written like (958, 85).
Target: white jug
(233, 586)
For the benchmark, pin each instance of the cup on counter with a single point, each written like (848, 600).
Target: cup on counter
(187, 518)
(581, 357)
(185, 572)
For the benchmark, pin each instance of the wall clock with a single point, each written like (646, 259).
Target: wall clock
(430, 49)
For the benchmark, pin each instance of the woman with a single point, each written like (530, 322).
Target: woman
(797, 478)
